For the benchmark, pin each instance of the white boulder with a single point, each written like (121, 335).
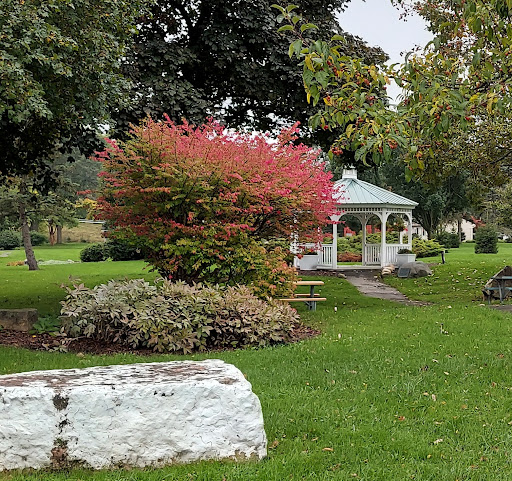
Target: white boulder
(149, 414)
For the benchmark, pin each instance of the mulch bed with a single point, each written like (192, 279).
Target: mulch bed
(46, 342)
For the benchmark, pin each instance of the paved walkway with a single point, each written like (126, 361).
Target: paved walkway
(368, 283)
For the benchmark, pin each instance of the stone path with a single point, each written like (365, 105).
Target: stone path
(369, 284)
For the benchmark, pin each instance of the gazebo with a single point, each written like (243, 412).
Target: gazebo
(363, 200)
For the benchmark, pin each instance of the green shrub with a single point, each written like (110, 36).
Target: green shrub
(45, 325)
(486, 240)
(448, 239)
(426, 248)
(352, 244)
(37, 238)
(175, 317)
(9, 240)
(94, 253)
(118, 250)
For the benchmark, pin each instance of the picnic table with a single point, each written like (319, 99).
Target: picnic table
(501, 286)
(311, 298)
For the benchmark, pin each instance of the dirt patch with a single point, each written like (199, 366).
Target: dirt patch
(46, 342)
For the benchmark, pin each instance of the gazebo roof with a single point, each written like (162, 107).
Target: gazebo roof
(353, 192)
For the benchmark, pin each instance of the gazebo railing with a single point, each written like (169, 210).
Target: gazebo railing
(392, 251)
(324, 254)
(372, 254)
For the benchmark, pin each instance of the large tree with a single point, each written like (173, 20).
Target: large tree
(437, 203)
(464, 73)
(59, 76)
(224, 59)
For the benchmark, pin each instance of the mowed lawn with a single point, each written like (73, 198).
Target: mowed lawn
(387, 392)
(43, 289)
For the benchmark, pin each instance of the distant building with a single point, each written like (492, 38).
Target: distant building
(468, 230)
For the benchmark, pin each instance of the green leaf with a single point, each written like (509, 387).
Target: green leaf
(338, 38)
(307, 26)
(295, 47)
(278, 7)
(285, 28)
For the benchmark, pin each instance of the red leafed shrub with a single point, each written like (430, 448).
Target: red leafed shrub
(349, 257)
(201, 201)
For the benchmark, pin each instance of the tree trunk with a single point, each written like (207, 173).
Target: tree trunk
(459, 228)
(25, 235)
(51, 232)
(59, 234)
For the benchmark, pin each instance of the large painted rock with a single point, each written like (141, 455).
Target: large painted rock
(149, 414)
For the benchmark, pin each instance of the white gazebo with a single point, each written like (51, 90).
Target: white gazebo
(364, 200)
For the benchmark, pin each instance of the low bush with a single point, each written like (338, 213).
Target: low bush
(9, 240)
(94, 253)
(448, 239)
(46, 325)
(175, 317)
(352, 244)
(426, 248)
(349, 257)
(38, 239)
(486, 240)
(118, 250)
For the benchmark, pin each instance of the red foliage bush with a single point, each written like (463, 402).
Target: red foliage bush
(349, 257)
(201, 200)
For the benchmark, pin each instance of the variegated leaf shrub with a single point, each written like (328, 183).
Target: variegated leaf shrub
(175, 317)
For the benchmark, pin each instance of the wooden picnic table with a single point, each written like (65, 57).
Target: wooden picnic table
(310, 299)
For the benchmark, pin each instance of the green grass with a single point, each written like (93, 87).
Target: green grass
(42, 289)
(460, 280)
(382, 394)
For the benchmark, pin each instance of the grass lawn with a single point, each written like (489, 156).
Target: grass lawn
(42, 289)
(383, 394)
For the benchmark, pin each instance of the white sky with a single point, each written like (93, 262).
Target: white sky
(378, 23)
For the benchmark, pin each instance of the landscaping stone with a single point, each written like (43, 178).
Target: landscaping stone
(415, 269)
(18, 319)
(149, 414)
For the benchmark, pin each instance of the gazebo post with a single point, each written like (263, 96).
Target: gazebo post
(334, 259)
(364, 220)
(383, 253)
(409, 230)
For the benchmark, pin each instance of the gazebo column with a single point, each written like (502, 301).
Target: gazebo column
(334, 257)
(409, 229)
(334, 246)
(364, 220)
(383, 244)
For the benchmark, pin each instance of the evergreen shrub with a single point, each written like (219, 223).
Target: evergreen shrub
(426, 248)
(448, 239)
(94, 253)
(118, 250)
(9, 240)
(486, 240)
(38, 239)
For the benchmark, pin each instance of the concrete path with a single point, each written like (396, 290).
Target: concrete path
(368, 283)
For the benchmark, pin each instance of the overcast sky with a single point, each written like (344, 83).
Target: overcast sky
(379, 24)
